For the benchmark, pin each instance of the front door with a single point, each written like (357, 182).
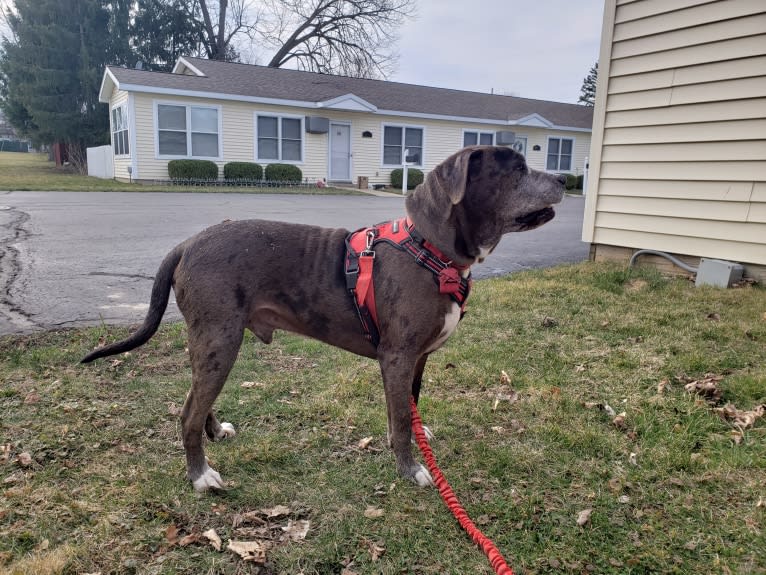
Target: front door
(340, 152)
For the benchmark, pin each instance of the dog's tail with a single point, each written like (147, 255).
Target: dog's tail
(163, 281)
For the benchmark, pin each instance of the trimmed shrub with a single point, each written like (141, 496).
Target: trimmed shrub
(192, 170)
(578, 185)
(414, 177)
(571, 181)
(242, 171)
(283, 173)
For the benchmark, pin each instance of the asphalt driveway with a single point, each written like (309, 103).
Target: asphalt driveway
(82, 258)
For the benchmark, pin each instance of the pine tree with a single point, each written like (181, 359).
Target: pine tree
(51, 72)
(588, 90)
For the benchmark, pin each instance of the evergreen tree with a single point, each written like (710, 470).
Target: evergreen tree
(164, 30)
(51, 72)
(588, 90)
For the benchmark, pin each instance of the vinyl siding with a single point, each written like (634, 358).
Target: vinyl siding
(121, 163)
(678, 162)
(441, 138)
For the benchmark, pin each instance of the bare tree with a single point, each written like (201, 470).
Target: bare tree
(351, 37)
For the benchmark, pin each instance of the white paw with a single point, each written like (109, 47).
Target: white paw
(227, 430)
(423, 478)
(210, 479)
(429, 435)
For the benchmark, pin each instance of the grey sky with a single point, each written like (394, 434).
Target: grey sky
(536, 49)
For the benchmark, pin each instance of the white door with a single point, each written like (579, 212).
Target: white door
(340, 152)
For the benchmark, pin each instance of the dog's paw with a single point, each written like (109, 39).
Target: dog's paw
(422, 477)
(227, 430)
(209, 480)
(429, 435)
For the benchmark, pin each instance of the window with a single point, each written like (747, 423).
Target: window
(120, 140)
(187, 131)
(279, 138)
(480, 138)
(397, 139)
(559, 154)
(520, 145)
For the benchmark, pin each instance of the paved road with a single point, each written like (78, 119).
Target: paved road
(80, 258)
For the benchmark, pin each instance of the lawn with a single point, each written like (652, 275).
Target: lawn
(592, 456)
(23, 172)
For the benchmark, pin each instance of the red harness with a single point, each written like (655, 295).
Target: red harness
(401, 234)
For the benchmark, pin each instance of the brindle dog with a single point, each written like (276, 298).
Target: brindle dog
(264, 275)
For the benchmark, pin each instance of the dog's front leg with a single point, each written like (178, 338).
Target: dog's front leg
(398, 373)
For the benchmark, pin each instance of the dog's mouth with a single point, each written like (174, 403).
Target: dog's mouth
(537, 218)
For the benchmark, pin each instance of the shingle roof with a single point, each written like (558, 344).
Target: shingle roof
(278, 83)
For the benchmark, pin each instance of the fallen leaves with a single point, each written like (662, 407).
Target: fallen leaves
(253, 533)
(584, 517)
(739, 418)
(706, 387)
(373, 512)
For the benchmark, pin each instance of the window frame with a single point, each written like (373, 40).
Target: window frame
(187, 130)
(478, 133)
(116, 133)
(558, 168)
(279, 116)
(404, 128)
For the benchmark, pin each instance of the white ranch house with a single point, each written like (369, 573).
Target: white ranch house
(334, 128)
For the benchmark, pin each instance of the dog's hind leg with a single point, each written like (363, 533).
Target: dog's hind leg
(399, 373)
(213, 351)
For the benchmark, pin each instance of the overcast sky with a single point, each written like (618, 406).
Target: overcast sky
(532, 48)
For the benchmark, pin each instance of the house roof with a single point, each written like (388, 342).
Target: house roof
(246, 82)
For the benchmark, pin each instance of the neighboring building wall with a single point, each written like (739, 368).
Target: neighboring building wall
(121, 163)
(679, 141)
(441, 139)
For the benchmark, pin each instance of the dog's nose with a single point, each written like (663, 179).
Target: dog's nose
(562, 179)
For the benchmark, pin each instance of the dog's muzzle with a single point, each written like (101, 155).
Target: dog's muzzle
(537, 218)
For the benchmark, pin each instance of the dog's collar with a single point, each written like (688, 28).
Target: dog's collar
(452, 279)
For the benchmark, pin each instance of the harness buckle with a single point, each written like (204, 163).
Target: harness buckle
(368, 251)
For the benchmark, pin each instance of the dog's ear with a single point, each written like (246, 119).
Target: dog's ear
(455, 171)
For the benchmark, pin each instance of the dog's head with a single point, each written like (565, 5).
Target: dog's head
(472, 198)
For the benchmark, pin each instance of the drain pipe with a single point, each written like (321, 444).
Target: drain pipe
(676, 261)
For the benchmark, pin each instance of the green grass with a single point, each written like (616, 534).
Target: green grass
(107, 478)
(33, 172)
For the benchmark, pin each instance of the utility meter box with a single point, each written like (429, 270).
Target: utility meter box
(718, 273)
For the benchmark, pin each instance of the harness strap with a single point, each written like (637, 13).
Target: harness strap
(402, 235)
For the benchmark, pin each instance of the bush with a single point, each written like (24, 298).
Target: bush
(414, 177)
(242, 171)
(578, 185)
(192, 170)
(283, 173)
(571, 181)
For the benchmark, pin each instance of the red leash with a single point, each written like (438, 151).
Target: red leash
(449, 497)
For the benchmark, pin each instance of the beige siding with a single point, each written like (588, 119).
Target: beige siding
(121, 163)
(441, 138)
(679, 144)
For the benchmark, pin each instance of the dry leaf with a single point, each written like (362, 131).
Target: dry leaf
(249, 384)
(505, 379)
(619, 421)
(32, 398)
(738, 418)
(212, 536)
(579, 368)
(297, 530)
(632, 459)
(549, 321)
(714, 317)
(497, 428)
(373, 512)
(364, 443)
(24, 459)
(662, 386)
(707, 387)
(511, 398)
(174, 409)
(276, 511)
(171, 534)
(190, 539)
(253, 551)
(584, 517)
(376, 550)
(347, 571)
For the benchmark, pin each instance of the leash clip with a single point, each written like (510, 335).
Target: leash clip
(368, 251)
